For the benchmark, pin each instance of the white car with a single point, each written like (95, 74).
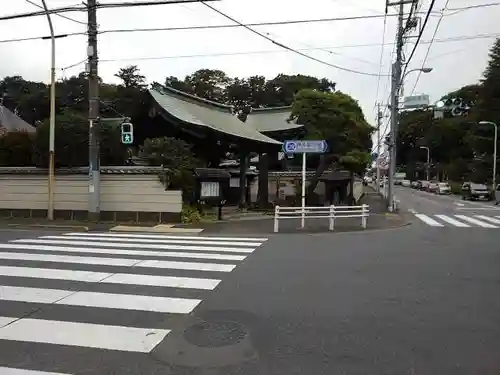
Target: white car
(443, 188)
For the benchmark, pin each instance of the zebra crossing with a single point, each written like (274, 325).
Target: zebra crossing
(460, 221)
(82, 291)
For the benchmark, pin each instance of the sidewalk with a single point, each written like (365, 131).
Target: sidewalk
(44, 224)
(378, 219)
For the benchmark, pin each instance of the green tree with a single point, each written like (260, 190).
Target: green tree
(71, 142)
(282, 89)
(489, 103)
(209, 84)
(175, 155)
(16, 149)
(337, 118)
(131, 77)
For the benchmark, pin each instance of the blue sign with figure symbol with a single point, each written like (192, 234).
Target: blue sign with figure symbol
(305, 147)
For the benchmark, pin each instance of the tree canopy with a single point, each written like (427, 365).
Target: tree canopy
(460, 148)
(326, 114)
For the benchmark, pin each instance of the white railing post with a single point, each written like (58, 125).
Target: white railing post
(276, 214)
(331, 225)
(364, 212)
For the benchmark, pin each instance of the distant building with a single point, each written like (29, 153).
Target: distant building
(10, 122)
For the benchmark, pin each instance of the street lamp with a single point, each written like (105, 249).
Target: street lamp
(52, 121)
(421, 70)
(396, 84)
(428, 160)
(495, 140)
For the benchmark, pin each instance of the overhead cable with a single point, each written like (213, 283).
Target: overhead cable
(429, 48)
(287, 47)
(166, 2)
(381, 59)
(57, 14)
(99, 6)
(415, 46)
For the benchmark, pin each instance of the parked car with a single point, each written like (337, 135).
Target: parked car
(417, 184)
(405, 183)
(432, 187)
(443, 188)
(497, 195)
(424, 185)
(473, 191)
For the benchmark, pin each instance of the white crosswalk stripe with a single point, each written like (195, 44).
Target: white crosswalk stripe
(460, 221)
(17, 371)
(73, 282)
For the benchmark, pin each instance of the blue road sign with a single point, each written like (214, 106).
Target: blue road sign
(305, 147)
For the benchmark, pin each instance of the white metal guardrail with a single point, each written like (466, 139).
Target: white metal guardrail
(327, 212)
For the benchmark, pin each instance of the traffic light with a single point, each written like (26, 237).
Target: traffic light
(127, 133)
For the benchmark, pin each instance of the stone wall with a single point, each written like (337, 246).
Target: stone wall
(132, 194)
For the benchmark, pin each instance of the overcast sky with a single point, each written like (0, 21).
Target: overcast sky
(158, 53)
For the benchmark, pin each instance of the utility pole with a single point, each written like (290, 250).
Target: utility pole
(379, 140)
(52, 121)
(395, 85)
(94, 164)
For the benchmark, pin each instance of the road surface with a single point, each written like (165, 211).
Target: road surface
(400, 301)
(444, 211)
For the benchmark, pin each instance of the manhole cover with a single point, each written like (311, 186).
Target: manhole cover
(215, 334)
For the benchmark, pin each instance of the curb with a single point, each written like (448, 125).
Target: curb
(50, 226)
(155, 229)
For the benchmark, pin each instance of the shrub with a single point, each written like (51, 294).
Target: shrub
(16, 149)
(190, 215)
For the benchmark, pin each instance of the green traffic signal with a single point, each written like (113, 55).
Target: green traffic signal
(127, 138)
(127, 135)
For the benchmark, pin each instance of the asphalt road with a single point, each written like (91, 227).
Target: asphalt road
(447, 210)
(401, 301)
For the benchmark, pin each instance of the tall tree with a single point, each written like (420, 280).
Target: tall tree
(282, 89)
(490, 95)
(337, 118)
(209, 84)
(131, 77)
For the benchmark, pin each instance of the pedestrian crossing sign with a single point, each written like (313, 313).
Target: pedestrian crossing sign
(127, 133)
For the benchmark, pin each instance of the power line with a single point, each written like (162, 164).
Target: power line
(242, 53)
(255, 24)
(459, 38)
(287, 47)
(431, 6)
(165, 2)
(57, 14)
(42, 13)
(99, 6)
(37, 38)
(468, 7)
(429, 48)
(382, 47)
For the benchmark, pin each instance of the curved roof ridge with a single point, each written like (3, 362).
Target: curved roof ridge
(207, 116)
(271, 109)
(195, 98)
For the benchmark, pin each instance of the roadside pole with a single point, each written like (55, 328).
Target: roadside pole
(396, 72)
(304, 148)
(303, 215)
(379, 124)
(94, 127)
